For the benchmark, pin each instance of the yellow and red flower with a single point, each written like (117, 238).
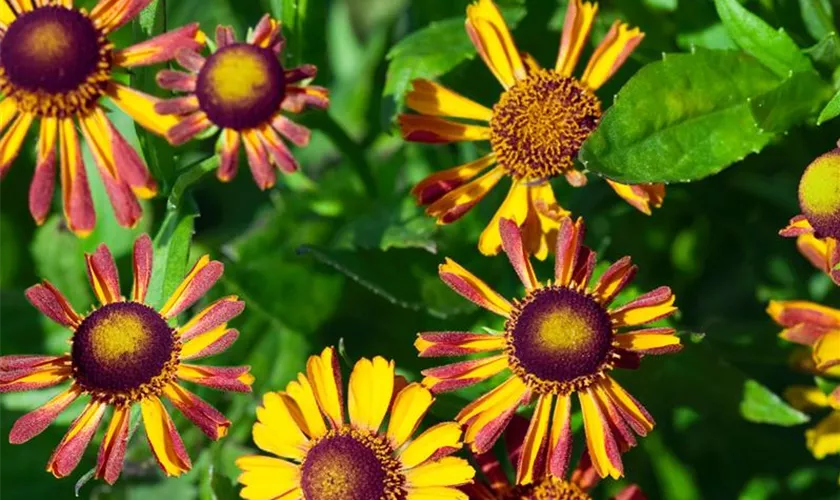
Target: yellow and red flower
(824, 438)
(123, 353)
(817, 228)
(562, 338)
(535, 129)
(57, 66)
(355, 459)
(243, 89)
(497, 486)
(812, 325)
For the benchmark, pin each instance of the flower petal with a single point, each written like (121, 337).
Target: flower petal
(430, 98)
(229, 155)
(514, 207)
(36, 421)
(649, 341)
(515, 250)
(232, 378)
(443, 438)
(142, 263)
(641, 196)
(43, 180)
(532, 464)
(53, 304)
(805, 398)
(491, 37)
(560, 443)
(213, 316)
(614, 49)
(298, 134)
(161, 48)
(276, 430)
(464, 373)
(211, 422)
(209, 343)
(460, 200)
(614, 279)
(41, 372)
(201, 278)
(472, 288)
(410, 405)
(370, 393)
(438, 184)
(300, 399)
(797, 226)
(569, 243)
(69, 452)
(434, 344)
(267, 478)
(793, 312)
(599, 438)
(163, 438)
(649, 307)
(111, 14)
(576, 26)
(434, 130)
(78, 204)
(258, 160)
(102, 273)
(438, 493)
(325, 375)
(636, 414)
(827, 350)
(12, 141)
(488, 415)
(109, 462)
(824, 438)
(448, 471)
(539, 232)
(141, 108)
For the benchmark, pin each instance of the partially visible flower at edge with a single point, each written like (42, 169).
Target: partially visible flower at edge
(123, 353)
(824, 438)
(810, 324)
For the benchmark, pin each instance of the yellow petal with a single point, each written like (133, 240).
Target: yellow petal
(611, 54)
(276, 430)
(806, 398)
(472, 288)
(827, 350)
(448, 471)
(410, 406)
(824, 439)
(371, 389)
(534, 444)
(431, 98)
(163, 438)
(141, 108)
(267, 478)
(436, 493)
(326, 381)
(514, 207)
(309, 417)
(446, 435)
(491, 37)
(576, 26)
(599, 442)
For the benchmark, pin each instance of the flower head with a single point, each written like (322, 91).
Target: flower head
(57, 65)
(323, 456)
(497, 486)
(242, 89)
(824, 438)
(812, 325)
(562, 338)
(535, 129)
(817, 228)
(123, 353)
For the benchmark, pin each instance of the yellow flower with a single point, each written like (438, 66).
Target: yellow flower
(359, 460)
(824, 438)
(812, 325)
(535, 129)
(241, 89)
(125, 353)
(57, 66)
(562, 338)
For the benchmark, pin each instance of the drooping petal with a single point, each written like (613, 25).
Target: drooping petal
(142, 264)
(53, 304)
(267, 34)
(532, 461)
(827, 350)
(600, 441)
(636, 414)
(642, 197)
(141, 108)
(370, 392)
(472, 288)
(793, 312)
(797, 226)
(109, 462)
(410, 405)
(325, 375)
(613, 50)
(515, 208)
(463, 373)
(515, 250)
(430, 98)
(435, 442)
(434, 130)
(184, 105)
(78, 204)
(161, 48)
(36, 421)
(267, 478)
(190, 59)
(539, 232)
(258, 160)
(228, 155)
(69, 452)
(43, 179)
(224, 36)
(824, 438)
(298, 134)
(211, 422)
(277, 150)
(438, 184)
(560, 443)
(201, 278)
(300, 98)
(433, 344)
(233, 378)
(174, 80)
(302, 72)
(457, 202)
(102, 273)
(494, 43)
(163, 438)
(576, 26)
(187, 127)
(12, 141)
(654, 305)
(448, 471)
(213, 316)
(569, 243)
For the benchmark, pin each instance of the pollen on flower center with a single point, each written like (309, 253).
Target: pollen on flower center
(551, 488)
(819, 194)
(54, 61)
(558, 339)
(241, 86)
(123, 351)
(539, 125)
(351, 465)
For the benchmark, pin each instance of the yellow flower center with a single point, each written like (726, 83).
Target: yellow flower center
(123, 352)
(351, 464)
(54, 62)
(819, 194)
(550, 488)
(540, 123)
(241, 86)
(559, 340)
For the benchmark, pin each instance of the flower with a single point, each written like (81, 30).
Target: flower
(57, 65)
(497, 486)
(338, 460)
(242, 89)
(123, 353)
(817, 228)
(535, 129)
(561, 338)
(810, 324)
(823, 439)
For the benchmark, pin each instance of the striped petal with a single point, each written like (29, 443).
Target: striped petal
(258, 160)
(234, 378)
(614, 279)
(494, 43)
(438, 184)
(163, 438)
(201, 278)
(277, 151)
(560, 442)
(635, 414)
(75, 192)
(642, 197)
(187, 127)
(532, 463)
(370, 392)
(515, 208)
(539, 232)
(487, 416)
(298, 134)
(299, 99)
(37, 372)
(211, 422)
(793, 312)
(109, 462)
(12, 141)
(576, 26)
(515, 250)
(36, 421)
(650, 341)
(458, 201)
(228, 155)
(209, 343)
(410, 405)
(430, 98)
(43, 179)
(141, 108)
(464, 373)
(434, 344)
(599, 438)
(325, 375)
(616, 47)
(111, 14)
(213, 316)
(472, 288)
(797, 226)
(434, 130)
(651, 306)
(142, 263)
(161, 48)
(102, 273)
(69, 452)
(53, 304)
(568, 251)
(299, 395)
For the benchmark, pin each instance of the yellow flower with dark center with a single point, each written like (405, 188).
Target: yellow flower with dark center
(562, 338)
(497, 486)
(323, 456)
(56, 66)
(810, 324)
(535, 129)
(817, 228)
(824, 438)
(242, 89)
(125, 353)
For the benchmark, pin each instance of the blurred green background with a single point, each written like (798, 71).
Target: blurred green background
(340, 251)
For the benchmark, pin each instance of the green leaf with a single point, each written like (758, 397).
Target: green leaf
(681, 119)
(151, 19)
(794, 101)
(774, 48)
(831, 110)
(760, 405)
(292, 14)
(826, 52)
(818, 17)
(433, 51)
(172, 249)
(389, 227)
